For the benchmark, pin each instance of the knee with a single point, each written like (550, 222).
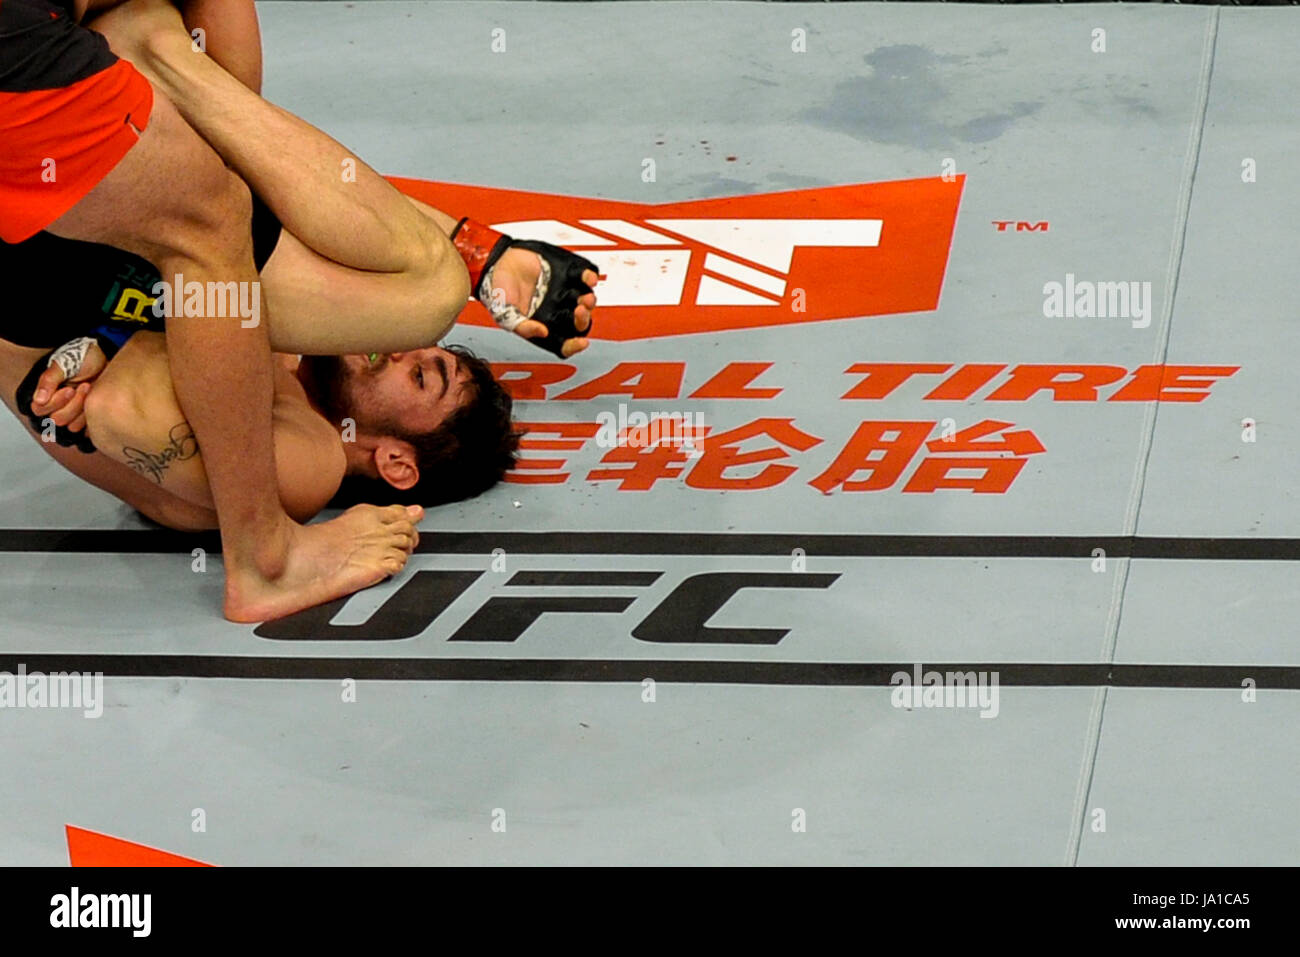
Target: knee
(231, 210)
(108, 407)
(446, 285)
(214, 230)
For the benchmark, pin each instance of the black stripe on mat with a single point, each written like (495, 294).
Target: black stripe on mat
(435, 542)
(837, 674)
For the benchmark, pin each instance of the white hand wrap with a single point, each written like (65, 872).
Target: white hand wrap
(71, 356)
(506, 315)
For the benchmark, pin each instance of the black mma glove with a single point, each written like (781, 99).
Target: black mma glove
(555, 296)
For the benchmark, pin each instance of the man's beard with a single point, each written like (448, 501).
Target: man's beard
(326, 383)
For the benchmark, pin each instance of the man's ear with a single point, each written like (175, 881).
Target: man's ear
(396, 463)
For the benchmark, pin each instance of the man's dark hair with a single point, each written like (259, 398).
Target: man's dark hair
(465, 456)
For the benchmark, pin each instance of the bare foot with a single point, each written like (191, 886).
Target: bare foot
(329, 560)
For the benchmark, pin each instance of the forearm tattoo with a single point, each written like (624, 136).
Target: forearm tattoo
(181, 445)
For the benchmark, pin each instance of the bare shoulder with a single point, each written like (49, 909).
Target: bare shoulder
(310, 462)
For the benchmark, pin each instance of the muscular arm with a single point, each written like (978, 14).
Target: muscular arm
(386, 278)
(360, 266)
(97, 469)
(133, 417)
(122, 483)
(232, 35)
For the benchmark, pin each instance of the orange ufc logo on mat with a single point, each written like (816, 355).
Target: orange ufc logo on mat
(92, 849)
(738, 262)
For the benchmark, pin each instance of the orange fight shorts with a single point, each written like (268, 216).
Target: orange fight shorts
(69, 112)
